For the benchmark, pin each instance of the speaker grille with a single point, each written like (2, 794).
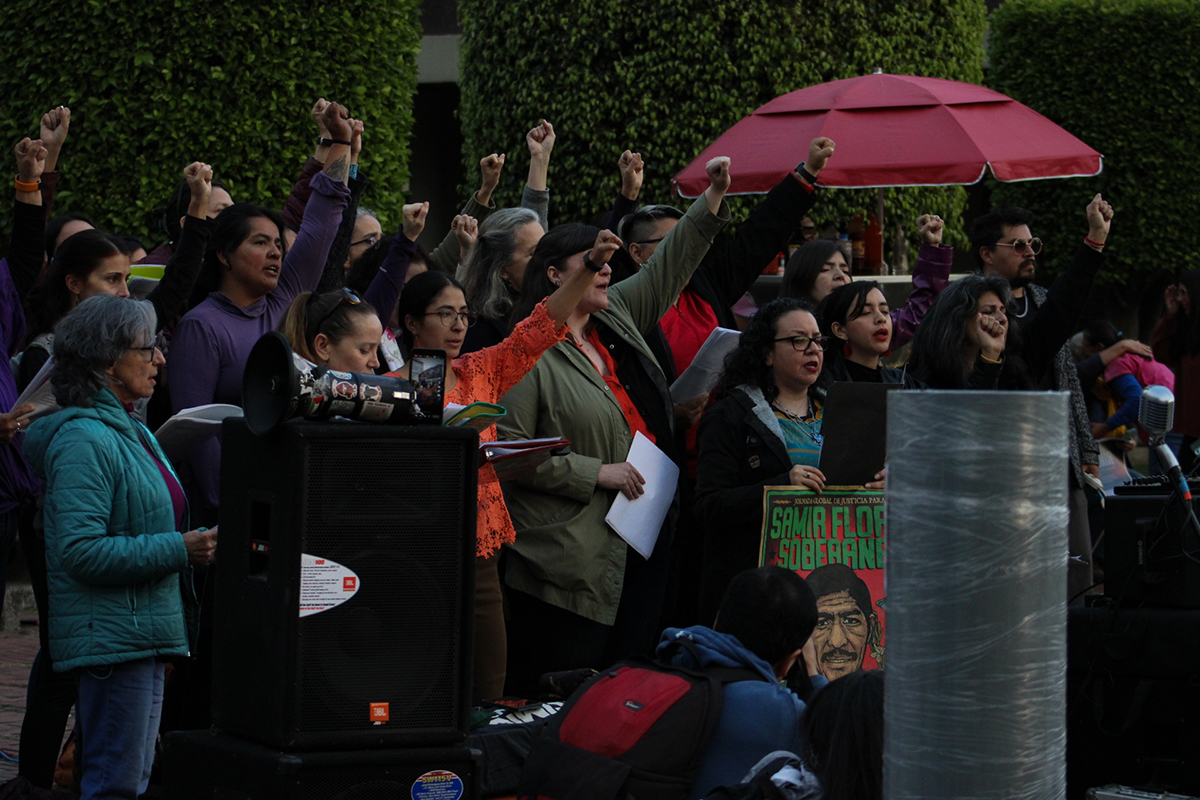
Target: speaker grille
(398, 639)
(375, 782)
(366, 790)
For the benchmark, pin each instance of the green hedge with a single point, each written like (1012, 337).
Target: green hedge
(669, 77)
(155, 84)
(1120, 75)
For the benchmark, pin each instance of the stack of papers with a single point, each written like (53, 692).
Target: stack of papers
(707, 367)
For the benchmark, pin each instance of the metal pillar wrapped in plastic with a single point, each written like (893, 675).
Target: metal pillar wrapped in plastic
(976, 596)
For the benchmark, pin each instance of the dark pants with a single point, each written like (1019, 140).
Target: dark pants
(1079, 545)
(490, 640)
(681, 606)
(51, 695)
(544, 638)
(8, 536)
(187, 698)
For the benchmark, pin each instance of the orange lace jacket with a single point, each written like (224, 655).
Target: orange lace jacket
(485, 376)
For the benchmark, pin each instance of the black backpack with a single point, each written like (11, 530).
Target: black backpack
(638, 730)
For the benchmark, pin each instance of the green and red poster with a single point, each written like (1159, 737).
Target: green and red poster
(835, 541)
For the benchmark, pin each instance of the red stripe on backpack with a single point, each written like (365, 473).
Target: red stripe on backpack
(627, 704)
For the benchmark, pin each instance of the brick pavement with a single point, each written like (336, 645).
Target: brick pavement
(17, 649)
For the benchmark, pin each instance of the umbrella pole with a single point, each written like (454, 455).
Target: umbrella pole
(879, 220)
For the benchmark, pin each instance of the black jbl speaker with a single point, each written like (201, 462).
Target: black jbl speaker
(199, 765)
(346, 583)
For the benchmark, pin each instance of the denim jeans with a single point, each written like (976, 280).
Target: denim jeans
(119, 708)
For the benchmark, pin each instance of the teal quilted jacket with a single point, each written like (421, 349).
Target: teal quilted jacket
(117, 569)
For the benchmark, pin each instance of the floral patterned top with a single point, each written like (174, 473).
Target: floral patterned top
(485, 376)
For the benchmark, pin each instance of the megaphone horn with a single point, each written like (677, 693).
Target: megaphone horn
(279, 384)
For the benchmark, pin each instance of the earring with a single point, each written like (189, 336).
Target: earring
(558, 283)
(848, 350)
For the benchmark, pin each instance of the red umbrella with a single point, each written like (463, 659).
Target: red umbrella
(895, 130)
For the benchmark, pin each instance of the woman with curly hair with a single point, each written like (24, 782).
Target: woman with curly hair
(765, 432)
(963, 341)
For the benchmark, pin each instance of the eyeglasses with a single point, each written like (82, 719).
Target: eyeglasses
(651, 241)
(448, 317)
(1019, 245)
(148, 350)
(370, 241)
(800, 343)
(348, 296)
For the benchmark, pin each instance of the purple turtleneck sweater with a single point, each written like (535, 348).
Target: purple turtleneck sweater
(212, 342)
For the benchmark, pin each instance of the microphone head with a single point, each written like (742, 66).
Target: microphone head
(1157, 411)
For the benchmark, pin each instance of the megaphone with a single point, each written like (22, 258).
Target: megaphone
(279, 384)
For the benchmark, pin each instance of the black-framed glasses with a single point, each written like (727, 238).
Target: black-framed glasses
(801, 343)
(148, 350)
(651, 241)
(448, 317)
(348, 296)
(370, 241)
(1019, 246)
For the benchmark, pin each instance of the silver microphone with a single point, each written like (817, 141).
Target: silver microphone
(1156, 414)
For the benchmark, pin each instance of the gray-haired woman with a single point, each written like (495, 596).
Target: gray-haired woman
(495, 272)
(115, 556)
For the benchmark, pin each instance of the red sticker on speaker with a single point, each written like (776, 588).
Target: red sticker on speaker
(324, 584)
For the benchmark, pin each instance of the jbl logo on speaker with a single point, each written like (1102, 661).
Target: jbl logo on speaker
(379, 713)
(349, 584)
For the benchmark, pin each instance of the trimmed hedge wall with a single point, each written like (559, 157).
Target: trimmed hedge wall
(156, 84)
(667, 78)
(1120, 75)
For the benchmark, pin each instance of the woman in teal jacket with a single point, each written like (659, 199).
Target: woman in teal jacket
(118, 568)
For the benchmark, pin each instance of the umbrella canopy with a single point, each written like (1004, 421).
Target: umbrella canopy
(894, 130)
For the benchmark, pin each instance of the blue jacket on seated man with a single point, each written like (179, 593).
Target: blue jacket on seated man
(766, 617)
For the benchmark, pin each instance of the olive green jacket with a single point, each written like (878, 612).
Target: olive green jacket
(565, 554)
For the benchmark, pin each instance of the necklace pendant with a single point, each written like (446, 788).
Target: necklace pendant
(819, 439)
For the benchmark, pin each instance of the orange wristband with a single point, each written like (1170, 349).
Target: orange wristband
(23, 186)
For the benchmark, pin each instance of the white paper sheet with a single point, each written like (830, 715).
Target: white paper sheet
(39, 393)
(639, 521)
(189, 427)
(702, 376)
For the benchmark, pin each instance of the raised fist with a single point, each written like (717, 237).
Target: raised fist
(631, 166)
(541, 140)
(490, 167)
(1099, 215)
(930, 228)
(31, 159)
(337, 122)
(606, 244)
(55, 124)
(466, 230)
(718, 173)
(819, 151)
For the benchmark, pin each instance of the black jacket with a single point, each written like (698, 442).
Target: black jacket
(741, 451)
(728, 273)
(835, 370)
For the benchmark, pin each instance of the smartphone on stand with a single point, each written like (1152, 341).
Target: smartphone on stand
(428, 377)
